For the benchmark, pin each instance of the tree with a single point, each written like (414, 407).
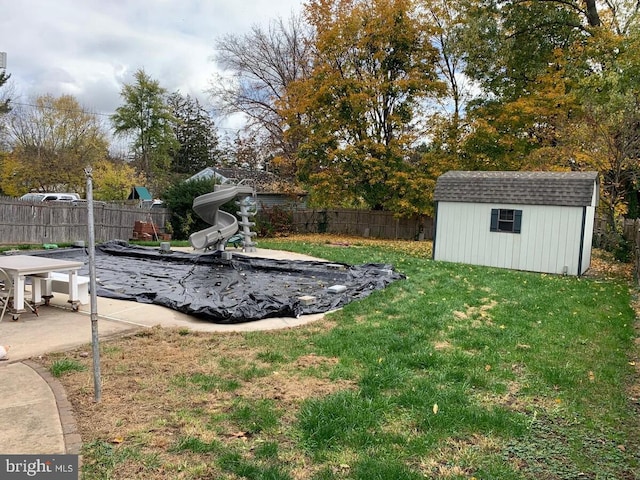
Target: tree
(263, 63)
(4, 102)
(4, 109)
(53, 140)
(374, 65)
(196, 133)
(146, 117)
(179, 200)
(246, 152)
(561, 90)
(448, 20)
(113, 179)
(447, 127)
(509, 44)
(607, 130)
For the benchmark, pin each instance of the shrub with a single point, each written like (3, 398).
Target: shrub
(179, 199)
(273, 221)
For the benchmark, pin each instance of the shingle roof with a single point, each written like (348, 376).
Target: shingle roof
(263, 182)
(521, 188)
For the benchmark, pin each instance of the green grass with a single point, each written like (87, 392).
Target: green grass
(31, 246)
(536, 363)
(64, 365)
(254, 416)
(206, 383)
(457, 372)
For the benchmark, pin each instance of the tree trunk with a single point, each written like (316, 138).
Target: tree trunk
(592, 13)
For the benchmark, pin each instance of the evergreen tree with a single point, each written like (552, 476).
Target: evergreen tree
(196, 133)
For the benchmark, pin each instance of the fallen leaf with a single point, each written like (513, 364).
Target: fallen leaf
(435, 408)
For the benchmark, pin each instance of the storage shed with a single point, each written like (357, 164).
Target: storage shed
(533, 221)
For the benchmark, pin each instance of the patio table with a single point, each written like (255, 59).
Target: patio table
(21, 266)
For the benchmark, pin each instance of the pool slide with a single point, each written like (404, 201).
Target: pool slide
(224, 225)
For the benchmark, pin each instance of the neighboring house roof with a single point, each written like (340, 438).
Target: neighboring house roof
(522, 188)
(140, 193)
(263, 182)
(206, 174)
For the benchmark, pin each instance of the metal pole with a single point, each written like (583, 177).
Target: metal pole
(92, 287)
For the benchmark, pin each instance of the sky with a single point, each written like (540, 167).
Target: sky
(91, 48)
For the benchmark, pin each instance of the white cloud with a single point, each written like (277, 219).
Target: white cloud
(89, 48)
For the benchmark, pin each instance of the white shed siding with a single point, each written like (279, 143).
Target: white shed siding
(549, 238)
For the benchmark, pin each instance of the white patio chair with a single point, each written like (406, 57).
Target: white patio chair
(6, 295)
(6, 291)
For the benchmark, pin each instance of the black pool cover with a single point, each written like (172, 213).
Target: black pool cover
(242, 289)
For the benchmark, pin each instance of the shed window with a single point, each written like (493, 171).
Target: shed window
(506, 220)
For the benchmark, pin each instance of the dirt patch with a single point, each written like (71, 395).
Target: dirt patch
(604, 266)
(296, 382)
(161, 385)
(479, 314)
(442, 345)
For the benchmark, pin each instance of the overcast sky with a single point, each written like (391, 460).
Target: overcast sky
(90, 48)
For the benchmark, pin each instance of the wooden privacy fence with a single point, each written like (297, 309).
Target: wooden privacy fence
(363, 223)
(41, 223)
(631, 232)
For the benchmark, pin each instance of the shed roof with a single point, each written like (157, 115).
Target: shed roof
(573, 189)
(140, 193)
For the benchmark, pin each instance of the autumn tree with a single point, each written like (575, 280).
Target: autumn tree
(145, 118)
(53, 139)
(606, 134)
(447, 124)
(196, 134)
(448, 21)
(261, 66)
(557, 94)
(358, 111)
(246, 152)
(113, 178)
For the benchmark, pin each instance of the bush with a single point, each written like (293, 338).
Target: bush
(273, 221)
(612, 239)
(179, 199)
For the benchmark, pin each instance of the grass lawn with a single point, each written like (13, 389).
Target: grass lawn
(457, 372)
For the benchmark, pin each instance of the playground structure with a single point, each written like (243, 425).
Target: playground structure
(224, 225)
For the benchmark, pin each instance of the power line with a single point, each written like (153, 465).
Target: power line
(88, 112)
(48, 107)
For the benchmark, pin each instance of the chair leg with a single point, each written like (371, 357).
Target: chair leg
(33, 308)
(4, 308)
